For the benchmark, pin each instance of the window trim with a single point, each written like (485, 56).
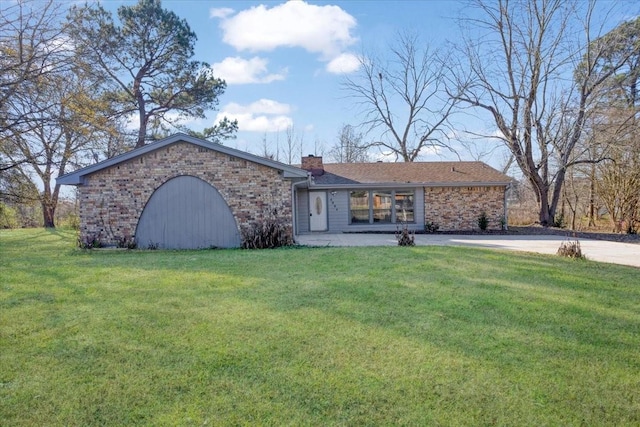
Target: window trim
(394, 216)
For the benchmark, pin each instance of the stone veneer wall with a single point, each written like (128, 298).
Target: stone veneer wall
(112, 200)
(458, 208)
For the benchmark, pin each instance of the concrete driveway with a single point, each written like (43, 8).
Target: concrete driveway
(596, 250)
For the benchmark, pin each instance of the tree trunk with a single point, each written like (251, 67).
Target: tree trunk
(557, 191)
(49, 202)
(48, 209)
(48, 214)
(541, 189)
(142, 114)
(592, 196)
(545, 215)
(142, 132)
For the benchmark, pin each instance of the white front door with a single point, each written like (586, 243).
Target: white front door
(317, 211)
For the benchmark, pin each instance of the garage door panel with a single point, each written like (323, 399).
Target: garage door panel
(187, 213)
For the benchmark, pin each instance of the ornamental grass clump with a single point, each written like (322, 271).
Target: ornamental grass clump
(267, 233)
(570, 249)
(405, 237)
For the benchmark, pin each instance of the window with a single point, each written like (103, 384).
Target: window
(359, 202)
(381, 207)
(404, 206)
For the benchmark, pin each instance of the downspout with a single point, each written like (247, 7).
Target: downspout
(294, 203)
(506, 212)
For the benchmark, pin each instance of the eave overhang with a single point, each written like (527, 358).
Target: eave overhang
(407, 185)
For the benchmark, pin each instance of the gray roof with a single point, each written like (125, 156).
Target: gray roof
(77, 177)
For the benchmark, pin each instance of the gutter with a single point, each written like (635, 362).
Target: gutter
(409, 185)
(506, 211)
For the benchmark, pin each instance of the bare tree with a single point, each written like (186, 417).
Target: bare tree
(519, 57)
(31, 49)
(267, 151)
(63, 135)
(404, 102)
(615, 136)
(614, 140)
(618, 185)
(293, 144)
(349, 148)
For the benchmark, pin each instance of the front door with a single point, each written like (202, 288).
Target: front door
(317, 211)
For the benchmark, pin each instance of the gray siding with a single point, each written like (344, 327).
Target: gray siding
(187, 213)
(338, 212)
(302, 212)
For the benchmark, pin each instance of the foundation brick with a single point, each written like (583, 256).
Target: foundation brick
(458, 208)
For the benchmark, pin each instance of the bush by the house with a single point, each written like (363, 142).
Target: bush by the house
(268, 232)
(431, 227)
(91, 241)
(127, 242)
(483, 221)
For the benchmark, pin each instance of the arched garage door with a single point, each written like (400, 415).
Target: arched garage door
(187, 213)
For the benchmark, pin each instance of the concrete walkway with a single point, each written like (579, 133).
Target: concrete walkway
(596, 250)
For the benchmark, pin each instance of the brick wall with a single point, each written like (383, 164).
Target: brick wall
(112, 200)
(458, 208)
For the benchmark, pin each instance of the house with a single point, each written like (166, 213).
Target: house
(380, 196)
(184, 192)
(181, 192)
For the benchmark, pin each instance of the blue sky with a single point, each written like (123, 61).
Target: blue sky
(284, 62)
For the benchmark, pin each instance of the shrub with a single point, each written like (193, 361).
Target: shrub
(126, 242)
(483, 221)
(71, 221)
(431, 227)
(90, 241)
(570, 249)
(267, 233)
(8, 217)
(558, 221)
(405, 237)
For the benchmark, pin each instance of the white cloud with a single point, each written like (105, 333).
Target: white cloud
(343, 64)
(264, 115)
(261, 106)
(222, 12)
(236, 70)
(318, 29)
(430, 150)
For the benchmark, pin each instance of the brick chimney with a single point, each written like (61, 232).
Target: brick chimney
(313, 164)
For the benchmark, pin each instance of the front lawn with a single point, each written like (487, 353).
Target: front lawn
(313, 336)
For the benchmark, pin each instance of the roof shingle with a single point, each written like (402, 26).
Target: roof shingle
(411, 173)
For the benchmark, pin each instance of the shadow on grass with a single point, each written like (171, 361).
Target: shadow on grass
(495, 307)
(326, 332)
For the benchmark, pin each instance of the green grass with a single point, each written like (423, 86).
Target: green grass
(313, 336)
